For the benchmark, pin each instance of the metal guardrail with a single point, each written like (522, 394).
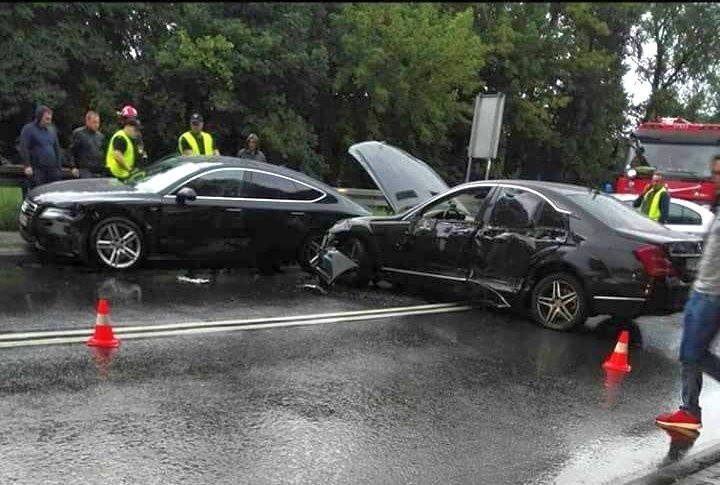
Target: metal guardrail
(367, 197)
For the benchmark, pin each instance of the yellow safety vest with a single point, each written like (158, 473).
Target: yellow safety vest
(190, 139)
(129, 156)
(653, 211)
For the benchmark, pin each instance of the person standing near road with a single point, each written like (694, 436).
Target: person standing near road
(39, 149)
(128, 112)
(196, 141)
(654, 202)
(88, 148)
(252, 149)
(122, 151)
(700, 327)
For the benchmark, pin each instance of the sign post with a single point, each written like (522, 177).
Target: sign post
(485, 134)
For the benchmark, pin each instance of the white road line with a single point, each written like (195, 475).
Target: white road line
(77, 336)
(173, 326)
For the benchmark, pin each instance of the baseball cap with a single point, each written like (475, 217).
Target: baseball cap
(196, 118)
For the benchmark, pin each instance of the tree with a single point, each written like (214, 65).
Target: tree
(561, 67)
(404, 73)
(686, 51)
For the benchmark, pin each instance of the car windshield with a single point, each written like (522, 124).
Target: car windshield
(613, 212)
(677, 159)
(164, 173)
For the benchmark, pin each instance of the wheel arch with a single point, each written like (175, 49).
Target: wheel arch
(547, 268)
(100, 212)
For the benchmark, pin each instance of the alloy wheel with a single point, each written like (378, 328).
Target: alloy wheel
(558, 303)
(118, 245)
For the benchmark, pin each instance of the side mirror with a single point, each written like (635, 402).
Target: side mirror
(185, 194)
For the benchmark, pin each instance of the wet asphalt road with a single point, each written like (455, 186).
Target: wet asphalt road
(474, 397)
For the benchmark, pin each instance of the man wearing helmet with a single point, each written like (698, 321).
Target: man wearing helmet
(128, 112)
(122, 151)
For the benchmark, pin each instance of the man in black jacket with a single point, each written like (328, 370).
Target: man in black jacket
(88, 149)
(40, 149)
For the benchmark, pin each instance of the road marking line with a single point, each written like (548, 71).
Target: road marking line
(172, 326)
(76, 336)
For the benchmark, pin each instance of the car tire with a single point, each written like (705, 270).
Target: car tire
(356, 249)
(559, 302)
(308, 249)
(116, 243)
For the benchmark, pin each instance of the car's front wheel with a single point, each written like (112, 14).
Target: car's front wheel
(558, 302)
(117, 243)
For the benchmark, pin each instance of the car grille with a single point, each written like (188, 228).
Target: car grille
(28, 208)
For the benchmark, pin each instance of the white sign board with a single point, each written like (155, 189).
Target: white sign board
(487, 121)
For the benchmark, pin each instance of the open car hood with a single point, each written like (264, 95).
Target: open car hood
(404, 180)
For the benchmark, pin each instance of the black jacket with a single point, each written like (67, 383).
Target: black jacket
(88, 149)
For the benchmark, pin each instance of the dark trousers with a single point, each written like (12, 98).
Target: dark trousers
(700, 327)
(45, 175)
(41, 176)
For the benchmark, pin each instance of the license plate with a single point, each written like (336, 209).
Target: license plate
(691, 264)
(23, 220)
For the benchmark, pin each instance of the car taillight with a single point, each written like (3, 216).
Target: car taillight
(655, 261)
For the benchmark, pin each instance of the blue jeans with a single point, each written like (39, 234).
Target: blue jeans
(700, 326)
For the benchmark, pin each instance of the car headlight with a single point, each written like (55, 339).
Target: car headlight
(57, 213)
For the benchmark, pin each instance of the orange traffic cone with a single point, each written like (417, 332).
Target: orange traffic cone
(103, 336)
(618, 360)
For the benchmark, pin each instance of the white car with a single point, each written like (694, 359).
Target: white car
(685, 216)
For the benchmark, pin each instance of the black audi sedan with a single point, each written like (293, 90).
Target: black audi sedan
(563, 252)
(204, 208)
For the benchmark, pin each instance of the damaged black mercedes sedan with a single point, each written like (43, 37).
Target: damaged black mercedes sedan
(563, 252)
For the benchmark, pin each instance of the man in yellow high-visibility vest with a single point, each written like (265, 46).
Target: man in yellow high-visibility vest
(122, 151)
(654, 202)
(196, 141)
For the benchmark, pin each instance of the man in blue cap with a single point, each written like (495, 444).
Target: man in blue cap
(40, 149)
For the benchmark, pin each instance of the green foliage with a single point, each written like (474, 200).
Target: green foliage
(681, 70)
(311, 79)
(405, 72)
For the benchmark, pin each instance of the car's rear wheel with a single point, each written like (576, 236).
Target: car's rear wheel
(558, 302)
(356, 249)
(117, 243)
(309, 249)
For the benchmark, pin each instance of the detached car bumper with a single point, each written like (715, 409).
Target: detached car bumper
(331, 263)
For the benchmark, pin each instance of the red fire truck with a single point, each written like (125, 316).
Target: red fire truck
(678, 149)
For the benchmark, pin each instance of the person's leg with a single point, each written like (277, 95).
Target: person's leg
(700, 327)
(54, 174)
(39, 176)
(710, 313)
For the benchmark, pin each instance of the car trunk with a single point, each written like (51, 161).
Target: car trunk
(685, 256)
(682, 251)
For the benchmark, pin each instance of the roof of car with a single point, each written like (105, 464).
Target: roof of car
(226, 161)
(560, 188)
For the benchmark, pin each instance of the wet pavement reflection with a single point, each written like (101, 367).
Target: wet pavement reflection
(474, 397)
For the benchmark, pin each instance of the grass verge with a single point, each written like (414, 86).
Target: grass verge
(10, 201)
